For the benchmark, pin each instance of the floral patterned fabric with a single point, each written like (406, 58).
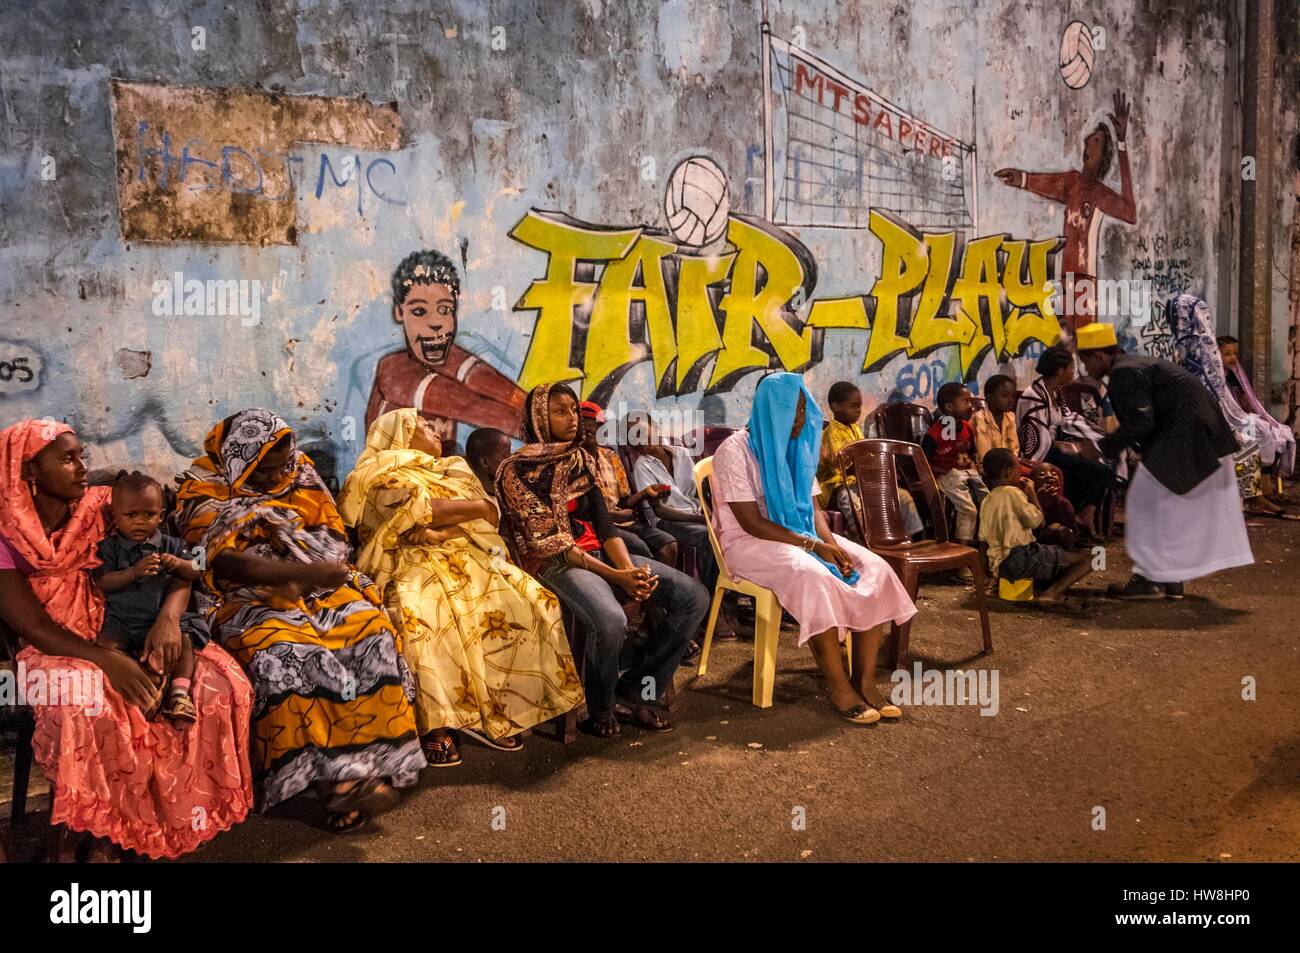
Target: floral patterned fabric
(145, 785)
(1198, 352)
(484, 639)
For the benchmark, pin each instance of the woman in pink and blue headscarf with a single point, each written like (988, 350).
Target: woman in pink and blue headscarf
(772, 533)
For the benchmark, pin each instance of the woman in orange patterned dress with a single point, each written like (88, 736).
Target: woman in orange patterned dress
(118, 777)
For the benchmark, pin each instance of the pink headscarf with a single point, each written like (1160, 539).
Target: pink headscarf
(62, 561)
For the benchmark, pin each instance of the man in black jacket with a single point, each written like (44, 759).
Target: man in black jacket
(1182, 512)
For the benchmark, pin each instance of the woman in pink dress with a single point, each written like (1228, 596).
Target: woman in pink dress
(118, 777)
(772, 533)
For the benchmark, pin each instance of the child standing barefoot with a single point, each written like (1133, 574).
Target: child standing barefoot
(1008, 518)
(140, 566)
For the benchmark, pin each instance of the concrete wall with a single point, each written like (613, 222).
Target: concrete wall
(446, 122)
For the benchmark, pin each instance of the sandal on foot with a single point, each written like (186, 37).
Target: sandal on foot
(642, 716)
(181, 708)
(345, 823)
(509, 743)
(371, 797)
(441, 752)
(600, 727)
(862, 714)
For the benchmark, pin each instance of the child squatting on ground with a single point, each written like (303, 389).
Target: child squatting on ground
(1008, 518)
(140, 566)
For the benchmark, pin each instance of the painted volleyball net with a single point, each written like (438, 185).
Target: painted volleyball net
(836, 149)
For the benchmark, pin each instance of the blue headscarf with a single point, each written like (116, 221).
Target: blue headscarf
(787, 466)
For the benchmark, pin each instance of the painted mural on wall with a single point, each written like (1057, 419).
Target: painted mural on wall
(749, 304)
(432, 373)
(841, 236)
(1087, 200)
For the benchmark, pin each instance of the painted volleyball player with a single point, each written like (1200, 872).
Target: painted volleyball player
(1086, 198)
(441, 380)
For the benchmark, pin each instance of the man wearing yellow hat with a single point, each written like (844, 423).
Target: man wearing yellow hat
(1182, 512)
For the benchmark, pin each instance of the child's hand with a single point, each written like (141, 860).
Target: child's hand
(173, 563)
(147, 566)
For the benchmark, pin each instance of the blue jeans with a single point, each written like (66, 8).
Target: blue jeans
(684, 603)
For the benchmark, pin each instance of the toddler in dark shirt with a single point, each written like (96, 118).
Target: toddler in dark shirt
(140, 567)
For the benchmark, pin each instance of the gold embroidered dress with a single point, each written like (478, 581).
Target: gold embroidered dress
(484, 638)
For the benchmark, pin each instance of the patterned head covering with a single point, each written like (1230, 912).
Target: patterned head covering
(1198, 349)
(541, 468)
(388, 450)
(294, 519)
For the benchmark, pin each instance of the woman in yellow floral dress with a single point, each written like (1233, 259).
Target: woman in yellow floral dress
(484, 638)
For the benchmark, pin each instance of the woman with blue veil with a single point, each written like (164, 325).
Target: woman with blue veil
(772, 533)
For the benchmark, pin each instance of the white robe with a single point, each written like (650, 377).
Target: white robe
(1173, 538)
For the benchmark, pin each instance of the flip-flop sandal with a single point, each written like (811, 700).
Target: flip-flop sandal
(371, 797)
(642, 717)
(862, 714)
(599, 728)
(335, 823)
(494, 743)
(441, 753)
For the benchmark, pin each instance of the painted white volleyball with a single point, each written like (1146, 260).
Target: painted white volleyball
(696, 201)
(1076, 55)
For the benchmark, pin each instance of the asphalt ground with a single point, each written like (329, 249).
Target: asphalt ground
(1134, 709)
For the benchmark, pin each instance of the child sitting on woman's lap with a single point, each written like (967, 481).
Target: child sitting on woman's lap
(140, 568)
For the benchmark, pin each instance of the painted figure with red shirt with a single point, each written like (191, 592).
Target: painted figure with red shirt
(950, 446)
(444, 382)
(1087, 199)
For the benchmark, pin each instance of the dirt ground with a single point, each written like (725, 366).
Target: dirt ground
(1134, 708)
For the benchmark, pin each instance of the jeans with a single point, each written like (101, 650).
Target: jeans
(599, 608)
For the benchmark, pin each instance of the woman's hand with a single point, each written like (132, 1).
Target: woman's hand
(162, 646)
(129, 679)
(436, 537)
(638, 582)
(837, 557)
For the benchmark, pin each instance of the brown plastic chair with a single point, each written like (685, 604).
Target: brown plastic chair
(907, 422)
(873, 463)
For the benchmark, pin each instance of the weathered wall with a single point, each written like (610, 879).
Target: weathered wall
(448, 121)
